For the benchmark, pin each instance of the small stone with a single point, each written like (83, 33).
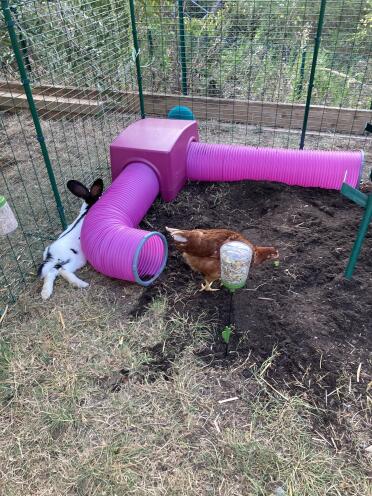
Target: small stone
(279, 491)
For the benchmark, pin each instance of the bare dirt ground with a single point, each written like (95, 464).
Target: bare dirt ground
(316, 321)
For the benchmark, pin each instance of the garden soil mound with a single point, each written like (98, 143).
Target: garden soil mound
(317, 322)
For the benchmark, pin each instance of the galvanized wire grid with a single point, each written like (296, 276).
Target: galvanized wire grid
(344, 70)
(80, 62)
(239, 53)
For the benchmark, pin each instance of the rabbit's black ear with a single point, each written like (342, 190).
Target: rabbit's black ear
(78, 189)
(96, 189)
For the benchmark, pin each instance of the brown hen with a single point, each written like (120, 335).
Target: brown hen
(200, 249)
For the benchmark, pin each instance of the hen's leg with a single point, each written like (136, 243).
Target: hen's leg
(207, 286)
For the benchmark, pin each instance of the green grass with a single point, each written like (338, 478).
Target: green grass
(280, 451)
(5, 359)
(64, 430)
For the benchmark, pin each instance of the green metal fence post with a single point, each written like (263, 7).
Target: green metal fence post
(300, 84)
(150, 43)
(31, 103)
(22, 42)
(318, 38)
(364, 201)
(181, 23)
(137, 56)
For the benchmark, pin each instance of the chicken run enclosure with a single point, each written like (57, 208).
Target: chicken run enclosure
(74, 73)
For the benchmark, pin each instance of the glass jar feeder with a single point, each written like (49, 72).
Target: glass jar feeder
(236, 258)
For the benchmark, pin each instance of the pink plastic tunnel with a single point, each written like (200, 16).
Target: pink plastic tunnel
(209, 162)
(110, 238)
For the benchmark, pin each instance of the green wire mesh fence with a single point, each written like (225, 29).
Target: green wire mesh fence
(78, 57)
(243, 66)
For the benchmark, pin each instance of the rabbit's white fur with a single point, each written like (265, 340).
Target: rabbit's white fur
(64, 256)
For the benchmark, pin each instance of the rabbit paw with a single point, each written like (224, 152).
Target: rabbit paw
(46, 293)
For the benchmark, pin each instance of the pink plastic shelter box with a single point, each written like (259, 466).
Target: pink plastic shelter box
(155, 156)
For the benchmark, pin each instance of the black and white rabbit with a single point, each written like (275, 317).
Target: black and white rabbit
(64, 256)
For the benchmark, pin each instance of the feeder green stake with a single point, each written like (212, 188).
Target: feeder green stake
(236, 260)
(364, 201)
(226, 334)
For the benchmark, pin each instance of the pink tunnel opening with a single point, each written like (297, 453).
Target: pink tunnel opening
(322, 169)
(110, 238)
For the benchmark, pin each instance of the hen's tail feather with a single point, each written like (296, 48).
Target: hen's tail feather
(177, 234)
(172, 230)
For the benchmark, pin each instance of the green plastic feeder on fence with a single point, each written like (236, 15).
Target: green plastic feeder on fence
(8, 222)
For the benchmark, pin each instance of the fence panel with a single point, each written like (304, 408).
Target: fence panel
(81, 65)
(247, 67)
